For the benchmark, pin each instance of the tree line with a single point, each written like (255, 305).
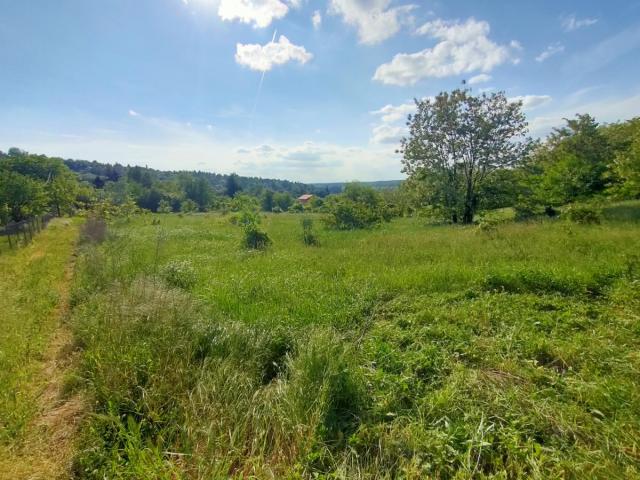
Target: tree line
(463, 154)
(466, 153)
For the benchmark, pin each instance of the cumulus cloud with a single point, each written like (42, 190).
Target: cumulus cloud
(392, 126)
(550, 51)
(529, 102)
(393, 113)
(572, 23)
(316, 19)
(388, 134)
(264, 57)
(463, 47)
(260, 13)
(133, 113)
(374, 19)
(482, 78)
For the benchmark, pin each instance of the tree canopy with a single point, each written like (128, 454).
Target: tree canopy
(456, 140)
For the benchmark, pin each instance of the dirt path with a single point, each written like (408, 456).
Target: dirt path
(46, 449)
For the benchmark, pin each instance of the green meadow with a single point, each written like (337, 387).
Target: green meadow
(403, 351)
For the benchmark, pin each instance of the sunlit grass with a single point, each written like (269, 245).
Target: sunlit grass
(407, 350)
(29, 280)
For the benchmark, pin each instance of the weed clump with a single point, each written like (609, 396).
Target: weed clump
(584, 214)
(308, 235)
(179, 274)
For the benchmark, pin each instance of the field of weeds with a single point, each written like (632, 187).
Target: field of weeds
(406, 351)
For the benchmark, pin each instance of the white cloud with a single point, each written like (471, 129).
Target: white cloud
(392, 126)
(393, 113)
(529, 102)
(482, 78)
(572, 23)
(133, 113)
(374, 20)
(312, 161)
(388, 134)
(550, 51)
(462, 48)
(316, 19)
(264, 57)
(260, 13)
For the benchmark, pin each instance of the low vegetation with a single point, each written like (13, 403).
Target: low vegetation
(30, 282)
(403, 351)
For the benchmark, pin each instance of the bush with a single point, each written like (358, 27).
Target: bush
(584, 214)
(308, 236)
(358, 207)
(179, 274)
(526, 209)
(296, 208)
(254, 238)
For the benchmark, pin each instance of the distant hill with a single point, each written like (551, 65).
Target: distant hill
(89, 170)
(337, 187)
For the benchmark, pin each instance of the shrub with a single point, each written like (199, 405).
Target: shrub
(358, 207)
(179, 274)
(526, 209)
(164, 206)
(254, 238)
(308, 236)
(188, 206)
(584, 214)
(296, 208)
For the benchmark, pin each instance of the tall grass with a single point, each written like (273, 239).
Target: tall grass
(402, 352)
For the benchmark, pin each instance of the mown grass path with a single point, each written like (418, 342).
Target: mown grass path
(37, 422)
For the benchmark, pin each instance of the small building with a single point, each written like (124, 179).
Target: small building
(304, 199)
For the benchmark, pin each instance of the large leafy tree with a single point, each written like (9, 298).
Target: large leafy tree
(627, 169)
(573, 162)
(21, 196)
(457, 140)
(30, 183)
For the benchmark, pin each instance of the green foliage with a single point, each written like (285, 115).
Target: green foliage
(32, 184)
(254, 238)
(296, 207)
(22, 196)
(584, 213)
(267, 202)
(179, 274)
(457, 140)
(626, 167)
(164, 207)
(232, 185)
(188, 206)
(283, 201)
(308, 235)
(573, 162)
(357, 207)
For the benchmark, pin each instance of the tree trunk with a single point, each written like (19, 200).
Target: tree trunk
(467, 216)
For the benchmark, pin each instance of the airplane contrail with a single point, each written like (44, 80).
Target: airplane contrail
(255, 104)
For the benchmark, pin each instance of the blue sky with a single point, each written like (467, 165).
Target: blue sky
(310, 90)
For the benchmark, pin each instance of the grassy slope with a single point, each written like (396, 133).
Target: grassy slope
(405, 350)
(30, 279)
